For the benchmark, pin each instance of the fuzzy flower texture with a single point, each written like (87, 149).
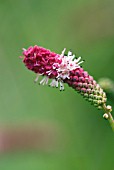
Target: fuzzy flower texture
(61, 68)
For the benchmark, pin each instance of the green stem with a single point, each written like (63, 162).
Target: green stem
(111, 120)
(109, 116)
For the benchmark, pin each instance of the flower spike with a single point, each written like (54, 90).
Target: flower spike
(61, 68)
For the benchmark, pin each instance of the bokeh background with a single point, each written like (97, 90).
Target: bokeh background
(75, 136)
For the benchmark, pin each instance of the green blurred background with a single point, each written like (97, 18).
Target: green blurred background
(86, 141)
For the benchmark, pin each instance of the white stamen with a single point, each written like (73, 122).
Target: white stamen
(69, 53)
(37, 77)
(80, 62)
(71, 57)
(41, 82)
(53, 83)
(44, 81)
(56, 83)
(62, 54)
(78, 59)
(49, 72)
(23, 49)
(61, 86)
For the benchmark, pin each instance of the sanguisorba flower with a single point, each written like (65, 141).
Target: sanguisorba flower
(62, 69)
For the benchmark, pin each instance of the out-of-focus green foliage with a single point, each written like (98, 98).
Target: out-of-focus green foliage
(85, 27)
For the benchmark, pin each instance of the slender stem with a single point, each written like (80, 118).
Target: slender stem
(111, 121)
(110, 117)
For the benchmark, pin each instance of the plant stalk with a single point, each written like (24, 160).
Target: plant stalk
(108, 115)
